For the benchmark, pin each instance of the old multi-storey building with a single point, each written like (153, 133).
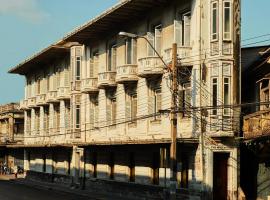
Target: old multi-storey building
(255, 150)
(93, 100)
(11, 135)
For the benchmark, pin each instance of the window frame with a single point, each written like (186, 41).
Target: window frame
(78, 65)
(226, 111)
(214, 101)
(216, 33)
(224, 20)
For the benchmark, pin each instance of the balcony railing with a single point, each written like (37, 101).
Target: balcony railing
(9, 107)
(90, 85)
(63, 93)
(183, 53)
(126, 73)
(41, 99)
(32, 102)
(106, 79)
(51, 97)
(150, 66)
(257, 124)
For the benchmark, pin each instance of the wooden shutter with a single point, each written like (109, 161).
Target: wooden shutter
(114, 112)
(96, 115)
(150, 37)
(92, 116)
(114, 55)
(150, 103)
(134, 51)
(134, 107)
(158, 100)
(178, 32)
(158, 39)
(91, 67)
(108, 113)
(187, 30)
(66, 72)
(96, 64)
(128, 108)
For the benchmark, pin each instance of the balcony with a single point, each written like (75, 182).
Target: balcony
(183, 53)
(106, 79)
(23, 104)
(90, 85)
(257, 124)
(63, 93)
(32, 102)
(41, 100)
(51, 97)
(126, 73)
(150, 66)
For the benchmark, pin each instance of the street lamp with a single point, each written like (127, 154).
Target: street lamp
(173, 70)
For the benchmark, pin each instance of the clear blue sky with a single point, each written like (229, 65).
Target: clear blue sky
(28, 26)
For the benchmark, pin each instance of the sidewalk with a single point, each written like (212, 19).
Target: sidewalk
(64, 189)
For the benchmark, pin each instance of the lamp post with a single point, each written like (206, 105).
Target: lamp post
(173, 70)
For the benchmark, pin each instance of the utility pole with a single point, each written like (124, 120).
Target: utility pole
(173, 163)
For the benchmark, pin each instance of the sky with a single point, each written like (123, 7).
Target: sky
(28, 26)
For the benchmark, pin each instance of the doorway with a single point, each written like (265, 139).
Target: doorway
(220, 176)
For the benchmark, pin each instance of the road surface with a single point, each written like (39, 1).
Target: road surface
(10, 190)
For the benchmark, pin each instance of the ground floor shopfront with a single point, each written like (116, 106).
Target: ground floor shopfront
(135, 170)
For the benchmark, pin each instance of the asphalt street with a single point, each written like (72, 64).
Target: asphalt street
(10, 190)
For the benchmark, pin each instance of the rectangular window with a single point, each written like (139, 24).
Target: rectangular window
(226, 97)
(186, 18)
(266, 97)
(155, 39)
(112, 58)
(227, 20)
(111, 108)
(96, 64)
(214, 95)
(78, 68)
(214, 22)
(131, 51)
(77, 117)
(46, 120)
(37, 120)
(67, 115)
(154, 98)
(185, 98)
(94, 111)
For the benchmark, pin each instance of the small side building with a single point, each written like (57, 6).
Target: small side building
(255, 150)
(11, 135)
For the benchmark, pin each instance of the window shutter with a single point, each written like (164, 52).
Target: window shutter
(66, 77)
(150, 104)
(134, 107)
(128, 109)
(150, 37)
(158, 40)
(114, 55)
(178, 32)
(187, 30)
(91, 68)
(96, 116)
(114, 112)
(96, 64)
(158, 101)
(92, 116)
(134, 51)
(181, 99)
(108, 113)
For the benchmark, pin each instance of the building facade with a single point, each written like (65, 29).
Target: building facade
(255, 179)
(95, 102)
(11, 134)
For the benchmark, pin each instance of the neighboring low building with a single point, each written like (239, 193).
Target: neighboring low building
(11, 133)
(255, 151)
(93, 100)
